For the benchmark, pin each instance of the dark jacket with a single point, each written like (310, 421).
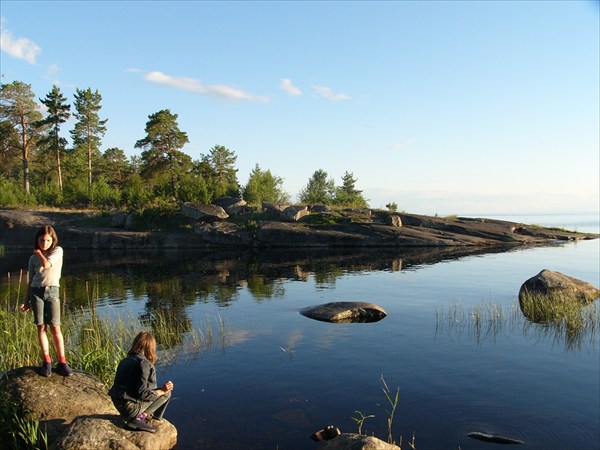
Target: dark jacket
(135, 380)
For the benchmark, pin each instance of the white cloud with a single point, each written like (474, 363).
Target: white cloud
(219, 91)
(288, 87)
(53, 69)
(404, 144)
(21, 48)
(327, 93)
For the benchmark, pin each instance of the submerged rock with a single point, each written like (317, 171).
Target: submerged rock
(345, 312)
(496, 439)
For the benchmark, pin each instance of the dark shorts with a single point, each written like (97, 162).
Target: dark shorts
(45, 304)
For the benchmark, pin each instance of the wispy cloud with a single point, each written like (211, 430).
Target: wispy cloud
(21, 48)
(404, 144)
(327, 93)
(218, 91)
(288, 87)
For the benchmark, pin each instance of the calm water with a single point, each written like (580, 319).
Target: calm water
(274, 376)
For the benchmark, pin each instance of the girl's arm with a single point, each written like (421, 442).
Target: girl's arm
(45, 263)
(168, 386)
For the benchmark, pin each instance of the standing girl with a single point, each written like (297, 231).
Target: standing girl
(45, 267)
(135, 393)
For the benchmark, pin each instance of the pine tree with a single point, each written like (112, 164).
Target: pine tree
(162, 149)
(18, 107)
(58, 113)
(89, 128)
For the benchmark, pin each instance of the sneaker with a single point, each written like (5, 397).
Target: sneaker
(139, 425)
(64, 369)
(46, 369)
(327, 433)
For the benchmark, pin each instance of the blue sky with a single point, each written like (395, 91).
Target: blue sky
(471, 107)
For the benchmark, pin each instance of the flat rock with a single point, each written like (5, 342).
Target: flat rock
(351, 441)
(345, 312)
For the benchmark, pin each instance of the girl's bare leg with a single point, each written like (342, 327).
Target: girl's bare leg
(43, 338)
(59, 343)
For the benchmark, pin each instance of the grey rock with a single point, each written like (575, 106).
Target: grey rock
(75, 410)
(117, 219)
(351, 441)
(102, 432)
(294, 213)
(273, 207)
(345, 312)
(319, 208)
(203, 212)
(395, 220)
(229, 202)
(554, 284)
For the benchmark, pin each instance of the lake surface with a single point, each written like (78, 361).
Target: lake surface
(271, 377)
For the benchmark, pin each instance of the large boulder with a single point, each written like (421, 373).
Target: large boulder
(343, 312)
(552, 284)
(229, 202)
(552, 296)
(352, 441)
(99, 433)
(77, 412)
(208, 213)
(294, 213)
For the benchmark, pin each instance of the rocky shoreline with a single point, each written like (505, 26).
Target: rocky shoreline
(406, 230)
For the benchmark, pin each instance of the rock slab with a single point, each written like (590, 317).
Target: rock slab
(77, 412)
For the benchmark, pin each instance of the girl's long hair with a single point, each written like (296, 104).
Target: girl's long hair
(46, 229)
(144, 343)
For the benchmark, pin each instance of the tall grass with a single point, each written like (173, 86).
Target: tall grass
(389, 408)
(95, 343)
(561, 319)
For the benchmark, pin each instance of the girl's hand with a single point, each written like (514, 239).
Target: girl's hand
(168, 386)
(25, 307)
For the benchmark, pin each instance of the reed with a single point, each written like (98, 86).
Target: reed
(390, 409)
(96, 343)
(560, 318)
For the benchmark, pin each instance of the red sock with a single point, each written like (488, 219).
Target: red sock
(62, 359)
(47, 358)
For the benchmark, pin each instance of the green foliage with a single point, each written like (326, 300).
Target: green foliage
(320, 189)
(361, 419)
(162, 153)
(18, 108)
(392, 207)
(347, 194)
(10, 193)
(48, 194)
(58, 112)
(263, 186)
(104, 195)
(322, 219)
(19, 431)
(89, 128)
(37, 159)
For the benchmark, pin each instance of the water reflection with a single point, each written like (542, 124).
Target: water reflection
(172, 279)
